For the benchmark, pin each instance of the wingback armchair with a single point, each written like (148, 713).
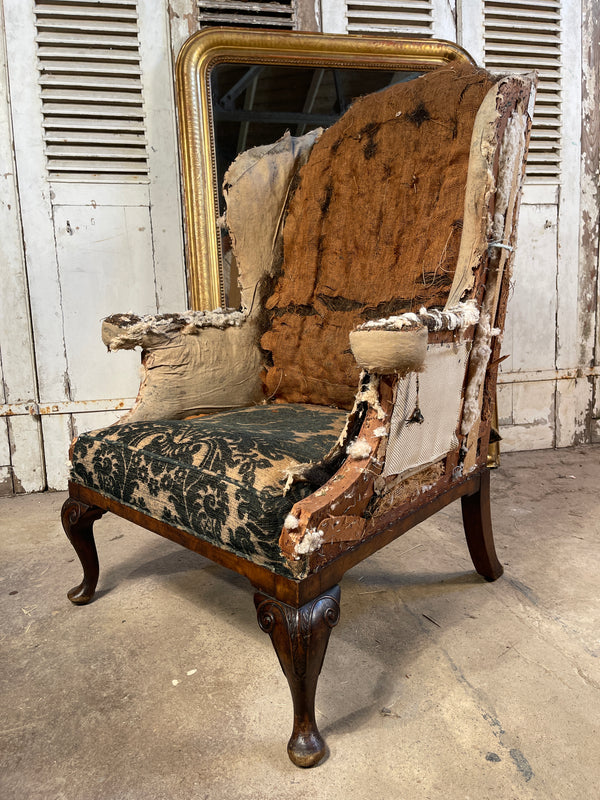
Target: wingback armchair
(349, 398)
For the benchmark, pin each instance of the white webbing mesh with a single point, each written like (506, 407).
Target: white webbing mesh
(413, 444)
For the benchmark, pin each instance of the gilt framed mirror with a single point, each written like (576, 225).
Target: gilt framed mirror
(237, 89)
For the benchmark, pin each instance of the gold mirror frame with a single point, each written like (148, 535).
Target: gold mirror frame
(207, 48)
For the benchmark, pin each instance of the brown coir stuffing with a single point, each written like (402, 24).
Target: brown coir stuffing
(373, 228)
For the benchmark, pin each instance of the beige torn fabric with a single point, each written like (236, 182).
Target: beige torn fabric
(202, 361)
(389, 351)
(216, 370)
(512, 154)
(437, 395)
(256, 188)
(477, 225)
(398, 344)
(127, 331)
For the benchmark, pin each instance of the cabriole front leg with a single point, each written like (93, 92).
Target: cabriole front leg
(300, 637)
(78, 521)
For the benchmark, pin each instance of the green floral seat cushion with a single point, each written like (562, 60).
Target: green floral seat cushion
(219, 477)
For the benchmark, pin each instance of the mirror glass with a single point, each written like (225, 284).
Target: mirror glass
(255, 104)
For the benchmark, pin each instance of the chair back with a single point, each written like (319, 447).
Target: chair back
(373, 228)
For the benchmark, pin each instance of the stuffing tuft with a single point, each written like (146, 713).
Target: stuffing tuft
(359, 448)
(311, 541)
(291, 522)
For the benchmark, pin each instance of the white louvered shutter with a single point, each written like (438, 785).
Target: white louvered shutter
(390, 17)
(521, 35)
(92, 104)
(244, 13)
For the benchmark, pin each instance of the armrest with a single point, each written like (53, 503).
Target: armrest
(385, 413)
(205, 361)
(127, 331)
(333, 513)
(195, 362)
(399, 344)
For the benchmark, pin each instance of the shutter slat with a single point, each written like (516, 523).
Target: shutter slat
(91, 90)
(240, 5)
(388, 4)
(492, 6)
(94, 137)
(108, 40)
(81, 96)
(413, 17)
(92, 124)
(85, 110)
(407, 16)
(58, 69)
(207, 20)
(56, 11)
(246, 14)
(91, 4)
(86, 166)
(521, 35)
(525, 31)
(67, 26)
(53, 54)
(100, 152)
(100, 82)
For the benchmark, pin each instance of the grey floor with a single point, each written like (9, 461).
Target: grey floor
(435, 685)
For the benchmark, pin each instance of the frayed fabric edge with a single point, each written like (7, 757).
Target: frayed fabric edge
(458, 317)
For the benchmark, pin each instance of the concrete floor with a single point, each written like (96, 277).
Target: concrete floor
(435, 685)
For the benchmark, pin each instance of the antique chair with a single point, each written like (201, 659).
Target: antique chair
(349, 398)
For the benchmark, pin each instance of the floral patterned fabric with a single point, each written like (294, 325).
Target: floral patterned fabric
(219, 477)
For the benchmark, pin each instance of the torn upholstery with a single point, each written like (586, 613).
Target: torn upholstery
(413, 296)
(352, 253)
(209, 361)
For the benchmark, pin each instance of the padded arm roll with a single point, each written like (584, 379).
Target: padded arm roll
(389, 351)
(398, 344)
(190, 364)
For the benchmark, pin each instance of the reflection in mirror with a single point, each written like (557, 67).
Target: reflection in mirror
(255, 104)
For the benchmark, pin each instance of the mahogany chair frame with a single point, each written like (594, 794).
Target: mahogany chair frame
(298, 615)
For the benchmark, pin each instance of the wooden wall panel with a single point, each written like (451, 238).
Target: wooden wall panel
(106, 266)
(531, 319)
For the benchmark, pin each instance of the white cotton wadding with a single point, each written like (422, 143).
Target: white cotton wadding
(396, 322)
(133, 327)
(379, 432)
(480, 356)
(511, 154)
(458, 317)
(359, 448)
(370, 394)
(291, 522)
(311, 541)
(468, 311)
(289, 480)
